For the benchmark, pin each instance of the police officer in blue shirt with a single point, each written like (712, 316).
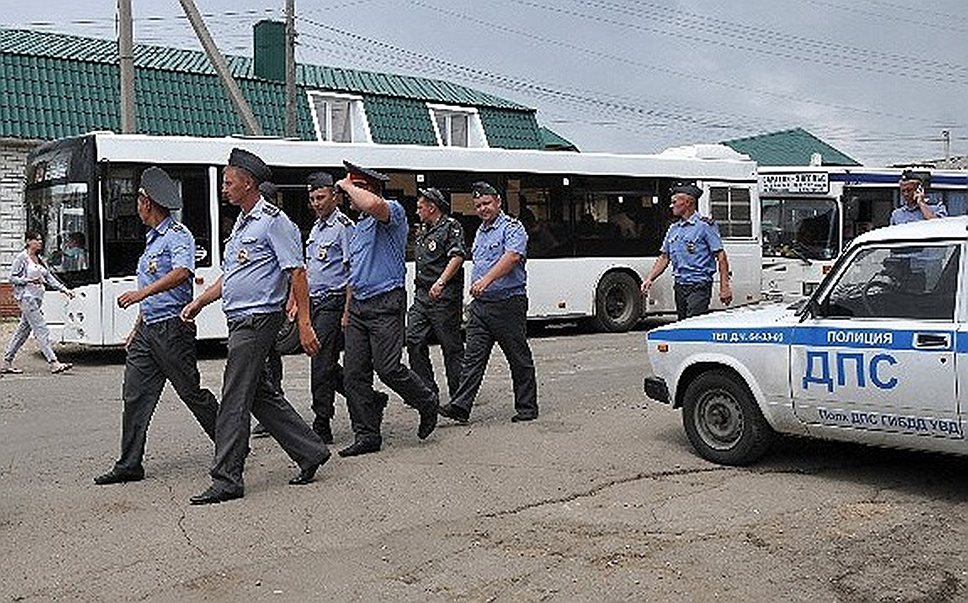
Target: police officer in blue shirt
(262, 254)
(499, 311)
(378, 304)
(693, 246)
(328, 270)
(439, 290)
(915, 206)
(160, 346)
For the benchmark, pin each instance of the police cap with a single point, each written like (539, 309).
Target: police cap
(436, 197)
(160, 188)
(319, 180)
(921, 176)
(687, 188)
(481, 188)
(360, 174)
(250, 162)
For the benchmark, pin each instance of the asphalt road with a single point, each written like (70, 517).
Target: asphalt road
(600, 499)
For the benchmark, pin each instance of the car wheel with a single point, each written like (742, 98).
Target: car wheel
(722, 421)
(618, 303)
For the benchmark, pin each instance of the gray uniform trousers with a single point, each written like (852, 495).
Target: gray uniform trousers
(505, 322)
(374, 341)
(692, 299)
(442, 320)
(326, 376)
(245, 390)
(160, 351)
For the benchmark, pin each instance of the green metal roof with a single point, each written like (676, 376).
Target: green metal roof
(789, 147)
(57, 85)
(553, 141)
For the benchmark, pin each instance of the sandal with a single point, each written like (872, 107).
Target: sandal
(11, 370)
(60, 367)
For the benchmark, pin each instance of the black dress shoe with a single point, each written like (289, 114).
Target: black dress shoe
(214, 496)
(519, 418)
(358, 448)
(428, 422)
(116, 477)
(306, 475)
(454, 412)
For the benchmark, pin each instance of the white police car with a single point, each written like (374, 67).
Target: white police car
(878, 355)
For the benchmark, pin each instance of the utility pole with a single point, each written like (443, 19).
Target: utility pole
(126, 64)
(291, 128)
(241, 105)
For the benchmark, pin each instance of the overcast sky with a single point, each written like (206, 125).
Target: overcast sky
(878, 79)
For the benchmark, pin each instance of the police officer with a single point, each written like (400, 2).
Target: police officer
(377, 312)
(499, 311)
(160, 346)
(262, 252)
(693, 246)
(915, 206)
(328, 269)
(439, 290)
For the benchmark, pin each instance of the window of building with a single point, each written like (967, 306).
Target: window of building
(339, 117)
(457, 126)
(732, 209)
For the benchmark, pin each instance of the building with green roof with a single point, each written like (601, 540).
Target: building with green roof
(789, 147)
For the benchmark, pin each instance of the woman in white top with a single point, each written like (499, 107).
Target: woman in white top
(30, 276)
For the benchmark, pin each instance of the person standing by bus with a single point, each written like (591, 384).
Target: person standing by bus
(161, 346)
(915, 206)
(499, 311)
(328, 270)
(29, 276)
(439, 291)
(693, 247)
(377, 312)
(262, 255)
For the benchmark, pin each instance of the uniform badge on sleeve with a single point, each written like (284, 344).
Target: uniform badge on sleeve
(321, 254)
(243, 255)
(432, 246)
(152, 266)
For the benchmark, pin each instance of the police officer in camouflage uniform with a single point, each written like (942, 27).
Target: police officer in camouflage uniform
(377, 313)
(439, 290)
(499, 312)
(160, 347)
(262, 255)
(693, 247)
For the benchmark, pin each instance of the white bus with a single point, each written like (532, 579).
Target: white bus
(809, 214)
(596, 221)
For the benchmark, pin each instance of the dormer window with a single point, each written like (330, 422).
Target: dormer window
(339, 117)
(457, 126)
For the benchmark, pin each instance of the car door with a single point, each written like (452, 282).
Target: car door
(876, 351)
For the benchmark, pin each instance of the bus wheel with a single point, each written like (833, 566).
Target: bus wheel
(618, 303)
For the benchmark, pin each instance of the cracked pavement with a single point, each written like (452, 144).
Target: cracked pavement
(600, 499)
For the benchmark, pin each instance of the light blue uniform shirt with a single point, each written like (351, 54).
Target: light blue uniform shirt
(167, 246)
(490, 242)
(692, 246)
(377, 254)
(263, 246)
(905, 214)
(328, 254)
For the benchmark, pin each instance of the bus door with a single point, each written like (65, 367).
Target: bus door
(124, 238)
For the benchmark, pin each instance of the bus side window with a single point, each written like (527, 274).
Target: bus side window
(195, 210)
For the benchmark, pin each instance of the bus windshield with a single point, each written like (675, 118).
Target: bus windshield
(800, 228)
(57, 201)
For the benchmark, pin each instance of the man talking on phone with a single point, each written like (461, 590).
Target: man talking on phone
(915, 202)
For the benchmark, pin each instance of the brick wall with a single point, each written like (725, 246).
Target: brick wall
(13, 159)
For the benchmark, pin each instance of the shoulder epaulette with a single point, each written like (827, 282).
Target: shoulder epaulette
(344, 219)
(707, 220)
(271, 209)
(177, 226)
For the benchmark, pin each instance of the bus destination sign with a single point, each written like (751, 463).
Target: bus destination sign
(804, 183)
